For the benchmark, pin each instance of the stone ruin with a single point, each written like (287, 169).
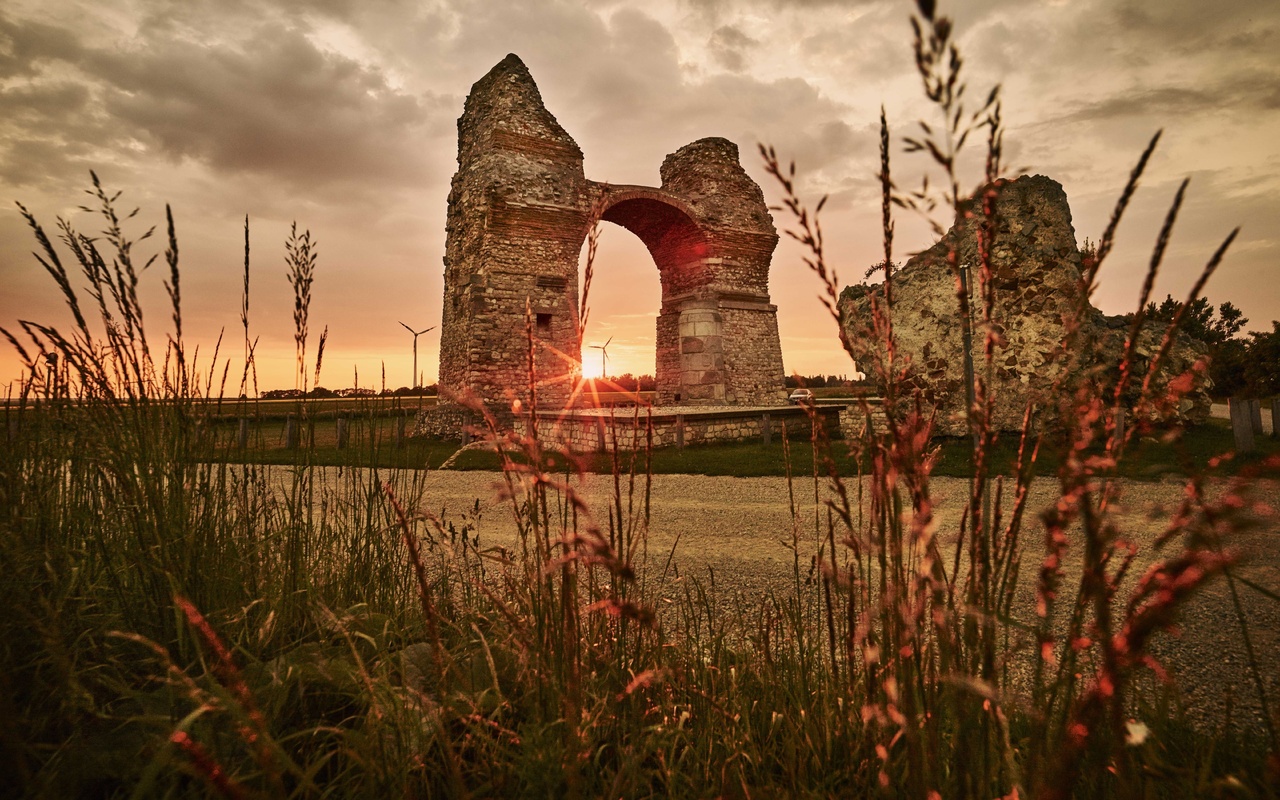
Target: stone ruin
(520, 209)
(1036, 266)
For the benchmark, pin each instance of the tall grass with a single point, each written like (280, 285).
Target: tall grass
(183, 625)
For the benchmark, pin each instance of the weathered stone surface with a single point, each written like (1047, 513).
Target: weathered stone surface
(586, 431)
(1036, 280)
(519, 210)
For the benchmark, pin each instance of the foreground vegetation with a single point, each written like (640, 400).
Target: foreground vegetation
(179, 623)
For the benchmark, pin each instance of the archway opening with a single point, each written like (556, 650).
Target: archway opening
(623, 300)
(682, 349)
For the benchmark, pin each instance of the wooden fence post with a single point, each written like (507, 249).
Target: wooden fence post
(1241, 424)
(290, 432)
(1275, 416)
(242, 438)
(401, 421)
(680, 430)
(342, 432)
(766, 430)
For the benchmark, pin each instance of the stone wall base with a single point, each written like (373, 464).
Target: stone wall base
(625, 429)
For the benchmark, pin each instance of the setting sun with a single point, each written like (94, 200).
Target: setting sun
(592, 365)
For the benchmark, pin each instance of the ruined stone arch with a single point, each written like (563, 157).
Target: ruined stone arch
(520, 209)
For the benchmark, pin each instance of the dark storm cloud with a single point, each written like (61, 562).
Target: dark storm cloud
(715, 6)
(29, 104)
(1189, 26)
(1254, 92)
(277, 104)
(25, 45)
(639, 88)
(730, 47)
(269, 102)
(47, 122)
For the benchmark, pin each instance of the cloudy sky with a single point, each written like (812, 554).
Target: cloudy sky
(341, 115)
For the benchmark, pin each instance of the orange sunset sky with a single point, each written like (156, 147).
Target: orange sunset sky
(342, 115)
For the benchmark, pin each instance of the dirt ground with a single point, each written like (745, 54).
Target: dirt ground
(741, 529)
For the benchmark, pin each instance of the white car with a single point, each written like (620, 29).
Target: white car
(801, 396)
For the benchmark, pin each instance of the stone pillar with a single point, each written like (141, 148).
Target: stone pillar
(517, 216)
(1255, 416)
(667, 359)
(701, 357)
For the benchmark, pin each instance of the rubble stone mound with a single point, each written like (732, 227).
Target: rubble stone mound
(520, 209)
(1036, 276)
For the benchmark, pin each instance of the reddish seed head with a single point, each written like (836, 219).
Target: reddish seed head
(1046, 653)
(1077, 732)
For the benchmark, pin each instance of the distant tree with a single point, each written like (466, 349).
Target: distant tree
(1261, 362)
(281, 394)
(813, 381)
(1229, 368)
(1088, 253)
(412, 391)
(1200, 320)
(626, 382)
(1231, 358)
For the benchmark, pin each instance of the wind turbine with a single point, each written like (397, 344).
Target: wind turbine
(416, 334)
(604, 354)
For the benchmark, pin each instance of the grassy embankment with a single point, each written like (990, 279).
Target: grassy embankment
(372, 437)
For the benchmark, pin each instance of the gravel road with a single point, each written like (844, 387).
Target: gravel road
(741, 529)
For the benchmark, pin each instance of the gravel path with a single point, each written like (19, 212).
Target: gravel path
(742, 528)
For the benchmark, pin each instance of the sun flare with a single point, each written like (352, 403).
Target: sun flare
(592, 367)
